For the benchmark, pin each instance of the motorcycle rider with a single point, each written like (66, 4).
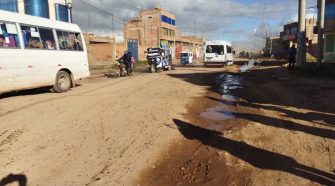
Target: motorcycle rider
(126, 60)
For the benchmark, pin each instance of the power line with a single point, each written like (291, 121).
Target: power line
(101, 11)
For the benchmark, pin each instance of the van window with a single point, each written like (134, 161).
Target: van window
(47, 38)
(76, 42)
(215, 49)
(63, 40)
(9, 35)
(31, 37)
(229, 49)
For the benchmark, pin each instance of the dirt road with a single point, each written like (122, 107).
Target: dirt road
(264, 127)
(102, 132)
(186, 127)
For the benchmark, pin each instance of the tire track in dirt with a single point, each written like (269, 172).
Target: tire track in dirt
(66, 96)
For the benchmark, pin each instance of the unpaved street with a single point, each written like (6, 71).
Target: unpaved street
(102, 132)
(191, 126)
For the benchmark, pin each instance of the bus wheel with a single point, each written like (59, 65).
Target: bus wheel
(63, 82)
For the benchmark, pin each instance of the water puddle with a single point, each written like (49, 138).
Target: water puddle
(228, 82)
(229, 98)
(217, 114)
(225, 83)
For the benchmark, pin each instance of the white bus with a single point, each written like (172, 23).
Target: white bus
(37, 52)
(218, 52)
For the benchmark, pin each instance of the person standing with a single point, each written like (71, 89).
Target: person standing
(292, 52)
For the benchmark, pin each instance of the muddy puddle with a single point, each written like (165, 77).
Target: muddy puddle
(225, 84)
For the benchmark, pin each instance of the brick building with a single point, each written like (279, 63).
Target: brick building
(103, 50)
(274, 47)
(329, 49)
(157, 28)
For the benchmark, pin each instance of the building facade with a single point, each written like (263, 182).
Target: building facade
(289, 36)
(51, 9)
(329, 49)
(274, 47)
(157, 28)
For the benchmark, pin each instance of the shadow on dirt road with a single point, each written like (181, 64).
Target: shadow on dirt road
(257, 157)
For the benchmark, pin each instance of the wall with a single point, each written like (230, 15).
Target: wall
(101, 53)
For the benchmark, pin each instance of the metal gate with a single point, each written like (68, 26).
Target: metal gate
(133, 48)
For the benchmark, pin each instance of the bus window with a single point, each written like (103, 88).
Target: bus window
(31, 37)
(76, 42)
(9, 36)
(63, 40)
(47, 38)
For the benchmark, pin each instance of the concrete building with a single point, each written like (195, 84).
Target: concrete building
(289, 36)
(52, 9)
(329, 49)
(274, 47)
(157, 28)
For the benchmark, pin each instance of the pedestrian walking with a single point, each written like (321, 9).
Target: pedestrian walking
(292, 52)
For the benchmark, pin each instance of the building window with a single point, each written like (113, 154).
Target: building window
(9, 36)
(287, 31)
(294, 30)
(9, 5)
(39, 8)
(330, 43)
(167, 20)
(62, 13)
(330, 11)
(165, 31)
(172, 33)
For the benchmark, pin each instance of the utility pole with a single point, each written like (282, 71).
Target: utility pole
(69, 6)
(89, 37)
(114, 40)
(321, 25)
(301, 56)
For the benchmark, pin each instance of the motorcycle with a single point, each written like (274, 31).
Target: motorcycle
(123, 68)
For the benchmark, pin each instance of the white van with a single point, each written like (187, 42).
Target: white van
(37, 52)
(218, 52)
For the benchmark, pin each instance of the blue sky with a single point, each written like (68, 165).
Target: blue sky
(238, 21)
